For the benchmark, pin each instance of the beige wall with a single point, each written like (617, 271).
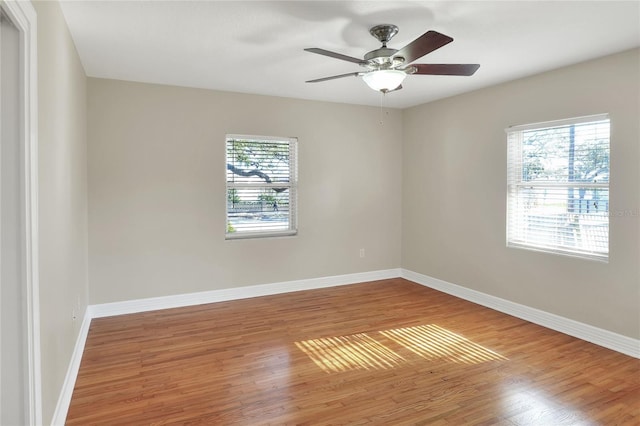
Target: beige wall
(157, 190)
(454, 193)
(62, 197)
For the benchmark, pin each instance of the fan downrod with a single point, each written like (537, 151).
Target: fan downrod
(384, 33)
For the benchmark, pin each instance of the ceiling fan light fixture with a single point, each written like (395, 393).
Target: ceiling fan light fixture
(384, 80)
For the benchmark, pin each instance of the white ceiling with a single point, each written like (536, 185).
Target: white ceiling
(257, 46)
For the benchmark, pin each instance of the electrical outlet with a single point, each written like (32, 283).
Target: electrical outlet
(361, 253)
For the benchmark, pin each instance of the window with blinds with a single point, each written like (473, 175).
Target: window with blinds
(261, 186)
(558, 187)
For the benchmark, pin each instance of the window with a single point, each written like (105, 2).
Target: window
(261, 186)
(558, 187)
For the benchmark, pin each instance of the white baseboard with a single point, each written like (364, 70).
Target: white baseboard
(64, 399)
(599, 336)
(190, 299)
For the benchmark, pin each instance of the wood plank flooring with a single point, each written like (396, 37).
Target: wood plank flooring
(387, 352)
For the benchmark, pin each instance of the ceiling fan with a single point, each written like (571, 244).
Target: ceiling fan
(386, 68)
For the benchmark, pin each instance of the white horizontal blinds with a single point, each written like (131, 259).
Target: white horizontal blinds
(558, 187)
(570, 153)
(261, 186)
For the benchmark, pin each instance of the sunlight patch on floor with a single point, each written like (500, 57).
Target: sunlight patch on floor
(362, 351)
(355, 352)
(433, 342)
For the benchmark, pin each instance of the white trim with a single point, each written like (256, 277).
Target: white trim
(261, 138)
(264, 234)
(1, 77)
(557, 123)
(64, 399)
(190, 299)
(24, 17)
(608, 339)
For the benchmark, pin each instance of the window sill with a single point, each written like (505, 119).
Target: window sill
(598, 257)
(253, 235)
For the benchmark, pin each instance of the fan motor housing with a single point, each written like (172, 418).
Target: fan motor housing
(384, 56)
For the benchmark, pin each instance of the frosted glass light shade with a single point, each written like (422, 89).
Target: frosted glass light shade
(384, 80)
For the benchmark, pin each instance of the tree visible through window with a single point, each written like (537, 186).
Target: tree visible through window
(261, 186)
(558, 187)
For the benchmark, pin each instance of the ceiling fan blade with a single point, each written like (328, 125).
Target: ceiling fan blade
(446, 69)
(333, 77)
(335, 55)
(426, 43)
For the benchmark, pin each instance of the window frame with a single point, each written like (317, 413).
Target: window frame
(291, 185)
(515, 180)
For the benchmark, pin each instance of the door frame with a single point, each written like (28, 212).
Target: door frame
(23, 16)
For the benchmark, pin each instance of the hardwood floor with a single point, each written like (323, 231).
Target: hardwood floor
(387, 352)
